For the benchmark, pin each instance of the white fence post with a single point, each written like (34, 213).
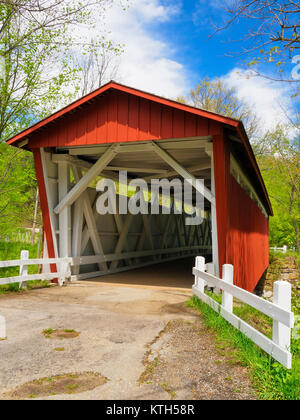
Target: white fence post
(282, 293)
(23, 268)
(2, 328)
(227, 276)
(210, 268)
(200, 265)
(279, 310)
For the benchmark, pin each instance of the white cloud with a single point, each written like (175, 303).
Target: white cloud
(153, 9)
(147, 62)
(270, 100)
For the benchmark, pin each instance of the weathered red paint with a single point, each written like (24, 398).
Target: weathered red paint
(44, 206)
(221, 154)
(120, 117)
(118, 113)
(243, 230)
(247, 242)
(111, 112)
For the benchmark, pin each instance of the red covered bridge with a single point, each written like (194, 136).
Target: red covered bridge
(120, 128)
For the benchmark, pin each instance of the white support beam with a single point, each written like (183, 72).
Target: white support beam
(170, 144)
(90, 220)
(64, 218)
(62, 157)
(122, 239)
(127, 268)
(50, 200)
(134, 254)
(117, 217)
(94, 151)
(214, 226)
(57, 158)
(91, 174)
(77, 231)
(166, 230)
(168, 174)
(182, 172)
(85, 232)
(138, 170)
(146, 232)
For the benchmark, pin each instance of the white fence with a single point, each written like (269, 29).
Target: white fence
(283, 249)
(63, 274)
(24, 236)
(24, 262)
(279, 310)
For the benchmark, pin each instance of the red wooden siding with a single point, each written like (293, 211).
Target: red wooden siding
(243, 230)
(221, 155)
(247, 239)
(44, 207)
(121, 117)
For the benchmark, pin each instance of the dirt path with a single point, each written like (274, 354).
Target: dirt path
(186, 363)
(120, 329)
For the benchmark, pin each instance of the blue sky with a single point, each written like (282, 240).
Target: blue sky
(168, 50)
(190, 31)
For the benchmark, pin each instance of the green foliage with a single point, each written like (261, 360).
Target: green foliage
(271, 380)
(12, 251)
(273, 39)
(17, 189)
(38, 43)
(215, 96)
(279, 161)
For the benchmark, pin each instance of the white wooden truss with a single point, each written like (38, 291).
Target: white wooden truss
(105, 244)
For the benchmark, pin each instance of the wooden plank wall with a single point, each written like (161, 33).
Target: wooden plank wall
(120, 117)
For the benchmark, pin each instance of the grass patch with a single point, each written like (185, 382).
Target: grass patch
(61, 384)
(271, 380)
(280, 256)
(48, 332)
(60, 334)
(12, 251)
(166, 388)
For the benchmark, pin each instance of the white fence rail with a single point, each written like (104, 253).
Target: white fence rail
(283, 249)
(279, 310)
(24, 236)
(24, 262)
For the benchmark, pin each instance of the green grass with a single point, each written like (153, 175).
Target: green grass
(270, 379)
(275, 255)
(12, 251)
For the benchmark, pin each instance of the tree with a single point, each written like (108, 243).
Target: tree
(17, 189)
(280, 166)
(216, 96)
(272, 35)
(36, 46)
(36, 41)
(98, 66)
(35, 16)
